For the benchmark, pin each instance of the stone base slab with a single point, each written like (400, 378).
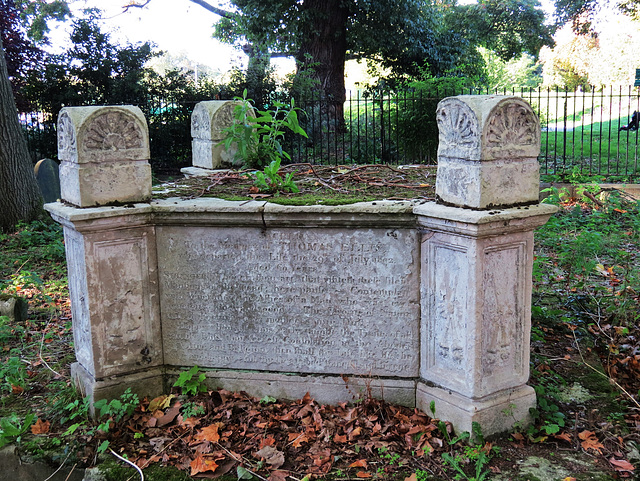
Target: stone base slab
(496, 413)
(144, 383)
(95, 184)
(324, 389)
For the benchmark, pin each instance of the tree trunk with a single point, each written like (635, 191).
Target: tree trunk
(19, 193)
(323, 52)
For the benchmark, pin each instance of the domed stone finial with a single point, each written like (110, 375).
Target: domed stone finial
(487, 152)
(104, 153)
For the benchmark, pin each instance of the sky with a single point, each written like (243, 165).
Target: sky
(173, 25)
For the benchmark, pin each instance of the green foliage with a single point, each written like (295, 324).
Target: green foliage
(259, 140)
(513, 74)
(191, 382)
(271, 181)
(13, 372)
(478, 456)
(413, 117)
(12, 428)
(192, 410)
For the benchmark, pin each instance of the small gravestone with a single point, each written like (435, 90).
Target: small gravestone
(15, 308)
(48, 177)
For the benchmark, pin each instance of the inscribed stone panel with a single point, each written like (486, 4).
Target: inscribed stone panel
(122, 303)
(312, 301)
(447, 312)
(503, 317)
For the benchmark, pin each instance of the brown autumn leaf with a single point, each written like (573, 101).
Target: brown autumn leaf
(278, 475)
(210, 433)
(622, 464)
(17, 389)
(413, 477)
(563, 436)
(40, 427)
(363, 474)
(340, 438)
(202, 464)
(590, 441)
(271, 456)
(361, 463)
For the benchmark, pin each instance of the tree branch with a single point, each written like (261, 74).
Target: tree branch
(202, 3)
(211, 8)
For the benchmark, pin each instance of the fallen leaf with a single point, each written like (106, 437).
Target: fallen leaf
(590, 441)
(622, 464)
(201, 465)
(339, 438)
(563, 436)
(361, 463)
(569, 478)
(17, 389)
(210, 433)
(40, 427)
(271, 456)
(161, 402)
(413, 477)
(363, 474)
(278, 476)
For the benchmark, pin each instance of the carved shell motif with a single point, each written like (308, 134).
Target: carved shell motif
(511, 127)
(113, 131)
(67, 146)
(458, 129)
(223, 118)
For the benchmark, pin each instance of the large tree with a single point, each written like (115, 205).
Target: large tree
(19, 193)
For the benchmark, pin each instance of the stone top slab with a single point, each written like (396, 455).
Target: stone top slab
(104, 133)
(214, 211)
(487, 127)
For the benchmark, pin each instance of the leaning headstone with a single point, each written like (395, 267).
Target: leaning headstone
(48, 177)
(208, 123)
(105, 155)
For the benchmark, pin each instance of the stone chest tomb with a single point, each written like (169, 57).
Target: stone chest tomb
(418, 302)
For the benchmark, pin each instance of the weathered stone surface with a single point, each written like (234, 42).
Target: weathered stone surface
(209, 154)
(320, 301)
(104, 153)
(210, 118)
(89, 185)
(495, 413)
(48, 176)
(324, 389)
(99, 134)
(487, 152)
(113, 291)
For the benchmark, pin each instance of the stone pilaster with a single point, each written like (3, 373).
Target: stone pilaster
(477, 257)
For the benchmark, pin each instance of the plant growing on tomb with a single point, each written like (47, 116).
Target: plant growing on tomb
(259, 140)
(191, 382)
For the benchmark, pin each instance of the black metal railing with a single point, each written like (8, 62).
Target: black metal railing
(584, 133)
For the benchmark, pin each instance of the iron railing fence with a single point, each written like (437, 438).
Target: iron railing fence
(584, 133)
